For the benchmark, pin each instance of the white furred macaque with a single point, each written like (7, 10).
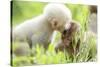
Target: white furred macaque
(39, 30)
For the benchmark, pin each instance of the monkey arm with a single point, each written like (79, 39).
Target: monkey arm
(40, 39)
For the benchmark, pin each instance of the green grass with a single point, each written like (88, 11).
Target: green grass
(87, 52)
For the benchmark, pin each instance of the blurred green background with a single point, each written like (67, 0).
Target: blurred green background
(24, 10)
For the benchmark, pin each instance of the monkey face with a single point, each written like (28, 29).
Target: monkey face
(66, 37)
(69, 34)
(56, 25)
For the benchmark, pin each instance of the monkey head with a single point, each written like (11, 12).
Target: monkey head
(68, 37)
(58, 15)
(69, 34)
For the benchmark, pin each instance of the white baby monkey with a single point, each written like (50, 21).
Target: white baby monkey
(39, 30)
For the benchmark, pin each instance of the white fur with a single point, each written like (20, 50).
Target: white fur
(39, 29)
(58, 11)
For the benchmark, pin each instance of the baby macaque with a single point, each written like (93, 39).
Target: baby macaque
(68, 37)
(39, 30)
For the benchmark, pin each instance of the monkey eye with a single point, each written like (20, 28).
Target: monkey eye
(64, 32)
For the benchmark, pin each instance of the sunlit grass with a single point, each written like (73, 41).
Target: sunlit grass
(86, 53)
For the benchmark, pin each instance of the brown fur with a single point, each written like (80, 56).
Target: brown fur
(67, 39)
